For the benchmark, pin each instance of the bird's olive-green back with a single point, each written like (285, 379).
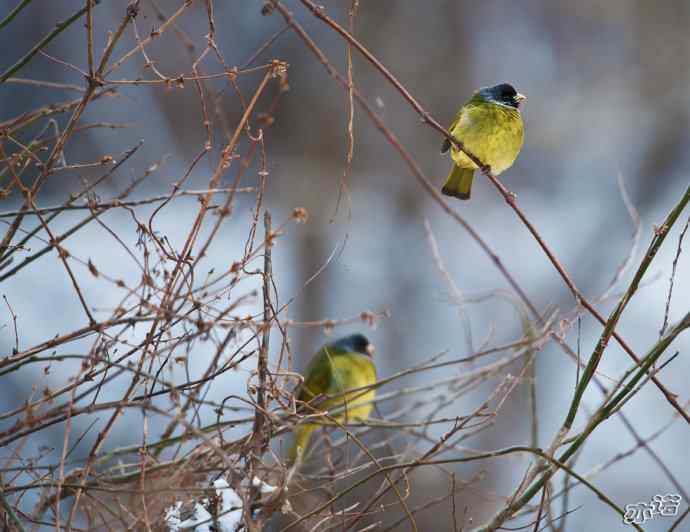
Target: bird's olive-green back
(491, 131)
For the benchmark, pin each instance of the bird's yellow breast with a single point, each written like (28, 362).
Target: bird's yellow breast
(492, 132)
(351, 371)
(332, 375)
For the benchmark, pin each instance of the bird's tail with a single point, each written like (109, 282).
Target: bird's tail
(459, 182)
(302, 436)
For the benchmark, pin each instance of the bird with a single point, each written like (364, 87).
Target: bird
(490, 126)
(346, 364)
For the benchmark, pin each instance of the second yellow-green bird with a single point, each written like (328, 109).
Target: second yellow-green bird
(490, 126)
(346, 364)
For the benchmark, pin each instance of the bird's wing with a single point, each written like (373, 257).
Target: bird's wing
(446, 143)
(463, 110)
(317, 378)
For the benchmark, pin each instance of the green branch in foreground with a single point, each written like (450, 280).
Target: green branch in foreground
(59, 28)
(14, 13)
(659, 237)
(647, 362)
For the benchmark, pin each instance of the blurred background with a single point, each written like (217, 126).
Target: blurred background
(609, 96)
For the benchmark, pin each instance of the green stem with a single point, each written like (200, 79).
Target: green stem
(659, 237)
(596, 420)
(59, 28)
(11, 513)
(14, 13)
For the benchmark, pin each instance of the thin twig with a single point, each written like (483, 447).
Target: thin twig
(679, 250)
(59, 28)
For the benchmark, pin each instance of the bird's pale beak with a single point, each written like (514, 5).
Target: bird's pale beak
(519, 98)
(371, 349)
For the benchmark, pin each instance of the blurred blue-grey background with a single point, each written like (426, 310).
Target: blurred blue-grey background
(609, 96)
